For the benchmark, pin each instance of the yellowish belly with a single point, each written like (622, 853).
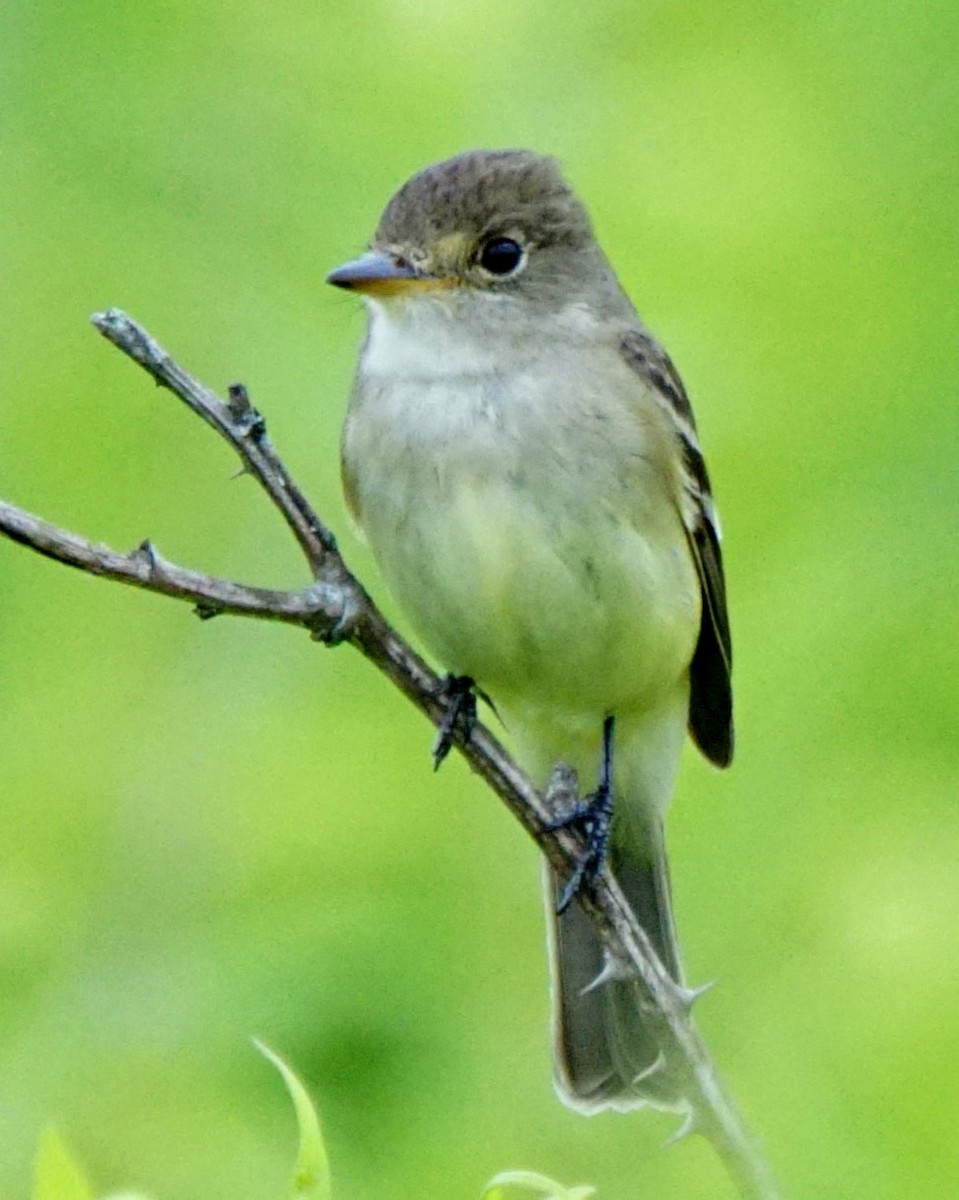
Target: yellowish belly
(545, 599)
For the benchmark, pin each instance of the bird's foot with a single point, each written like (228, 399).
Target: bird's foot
(591, 817)
(458, 695)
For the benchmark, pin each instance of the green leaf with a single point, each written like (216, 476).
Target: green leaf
(57, 1174)
(311, 1175)
(542, 1185)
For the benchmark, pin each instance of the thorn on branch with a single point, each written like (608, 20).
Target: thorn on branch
(658, 1064)
(614, 969)
(690, 1124)
(688, 996)
(206, 610)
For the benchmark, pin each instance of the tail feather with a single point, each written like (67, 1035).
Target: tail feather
(603, 1048)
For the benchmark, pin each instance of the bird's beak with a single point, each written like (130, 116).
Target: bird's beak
(381, 275)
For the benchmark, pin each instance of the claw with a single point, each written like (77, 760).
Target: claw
(458, 694)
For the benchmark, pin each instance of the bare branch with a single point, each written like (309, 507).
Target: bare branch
(238, 422)
(334, 608)
(316, 607)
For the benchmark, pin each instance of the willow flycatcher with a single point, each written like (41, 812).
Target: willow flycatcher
(523, 459)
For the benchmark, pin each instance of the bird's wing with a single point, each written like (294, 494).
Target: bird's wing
(711, 699)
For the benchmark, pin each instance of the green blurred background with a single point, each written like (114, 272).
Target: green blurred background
(211, 831)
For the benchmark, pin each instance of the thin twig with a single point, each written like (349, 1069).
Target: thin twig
(316, 607)
(334, 608)
(237, 422)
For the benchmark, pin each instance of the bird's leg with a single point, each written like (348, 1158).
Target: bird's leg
(457, 693)
(592, 817)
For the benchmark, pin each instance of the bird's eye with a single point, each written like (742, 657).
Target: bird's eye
(501, 256)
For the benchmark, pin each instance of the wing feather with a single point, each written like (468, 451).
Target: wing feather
(711, 701)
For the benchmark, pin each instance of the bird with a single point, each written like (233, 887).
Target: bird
(521, 456)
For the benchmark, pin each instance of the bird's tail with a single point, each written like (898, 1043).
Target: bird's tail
(604, 1054)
